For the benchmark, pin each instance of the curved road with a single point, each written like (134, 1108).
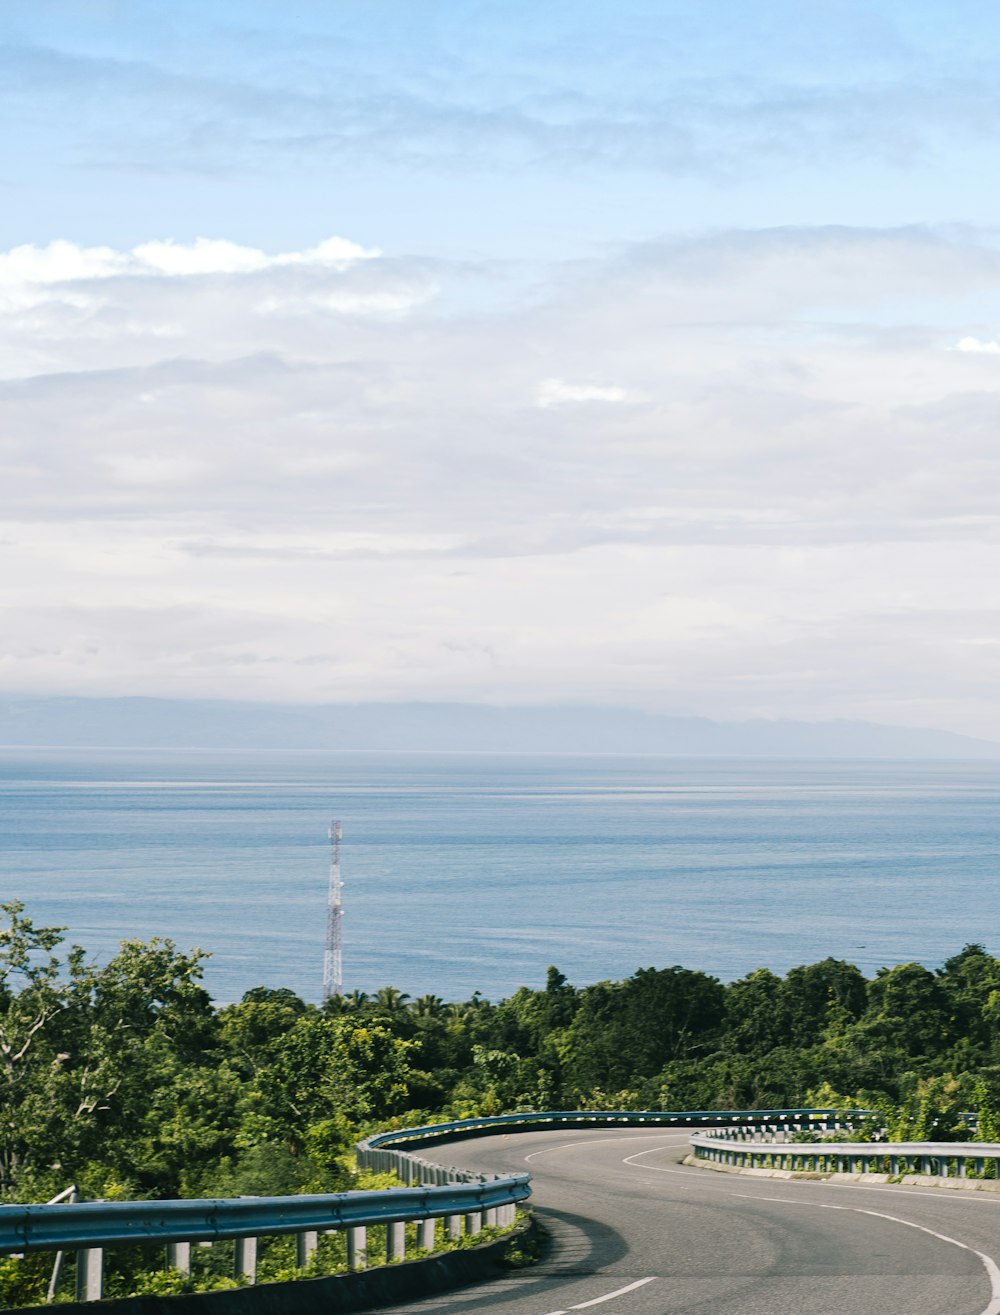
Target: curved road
(635, 1232)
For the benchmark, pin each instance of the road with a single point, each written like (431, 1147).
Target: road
(635, 1232)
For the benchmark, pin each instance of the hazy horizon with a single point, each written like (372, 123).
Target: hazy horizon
(457, 727)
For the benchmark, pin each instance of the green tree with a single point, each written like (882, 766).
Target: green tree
(821, 996)
(250, 1029)
(101, 1065)
(327, 1066)
(908, 1011)
(389, 1000)
(756, 1014)
(144, 1062)
(427, 1006)
(626, 1031)
(34, 993)
(970, 980)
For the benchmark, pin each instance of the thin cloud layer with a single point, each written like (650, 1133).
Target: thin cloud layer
(557, 392)
(747, 474)
(717, 89)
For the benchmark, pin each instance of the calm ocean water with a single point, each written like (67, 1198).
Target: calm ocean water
(468, 873)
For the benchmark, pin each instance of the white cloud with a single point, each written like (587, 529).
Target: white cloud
(67, 307)
(557, 392)
(206, 256)
(59, 262)
(64, 262)
(387, 303)
(228, 495)
(33, 275)
(977, 345)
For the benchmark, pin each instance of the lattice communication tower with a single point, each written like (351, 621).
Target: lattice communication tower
(333, 969)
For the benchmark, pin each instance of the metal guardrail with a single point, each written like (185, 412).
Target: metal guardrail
(124, 1223)
(88, 1227)
(386, 1151)
(466, 1201)
(526, 1119)
(935, 1159)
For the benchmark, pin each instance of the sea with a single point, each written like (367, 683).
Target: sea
(470, 873)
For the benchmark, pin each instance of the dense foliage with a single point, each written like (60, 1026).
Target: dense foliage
(127, 1081)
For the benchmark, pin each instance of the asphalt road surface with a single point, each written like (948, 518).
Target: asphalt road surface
(635, 1232)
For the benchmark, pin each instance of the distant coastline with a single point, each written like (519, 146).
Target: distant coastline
(131, 723)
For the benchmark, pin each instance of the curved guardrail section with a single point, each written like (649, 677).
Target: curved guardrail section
(467, 1201)
(123, 1223)
(934, 1159)
(386, 1151)
(88, 1227)
(525, 1120)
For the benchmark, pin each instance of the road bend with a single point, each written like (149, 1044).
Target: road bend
(636, 1232)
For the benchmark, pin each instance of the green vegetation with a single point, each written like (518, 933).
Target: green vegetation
(127, 1081)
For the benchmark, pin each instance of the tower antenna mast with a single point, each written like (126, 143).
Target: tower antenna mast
(333, 970)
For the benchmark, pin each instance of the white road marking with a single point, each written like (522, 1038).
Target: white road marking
(631, 1287)
(683, 1173)
(630, 1158)
(988, 1263)
(592, 1141)
(597, 1301)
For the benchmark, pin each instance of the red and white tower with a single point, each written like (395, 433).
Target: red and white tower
(333, 969)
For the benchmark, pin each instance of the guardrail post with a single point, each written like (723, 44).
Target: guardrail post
(425, 1235)
(245, 1259)
(395, 1241)
(179, 1257)
(454, 1226)
(305, 1248)
(90, 1274)
(357, 1247)
(473, 1222)
(56, 1275)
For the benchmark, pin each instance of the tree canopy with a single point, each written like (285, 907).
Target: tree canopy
(127, 1080)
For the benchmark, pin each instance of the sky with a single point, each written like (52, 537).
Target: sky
(636, 354)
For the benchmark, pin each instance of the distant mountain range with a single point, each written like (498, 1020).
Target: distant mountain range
(459, 727)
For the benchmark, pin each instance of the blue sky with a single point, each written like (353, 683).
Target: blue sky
(485, 129)
(623, 353)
